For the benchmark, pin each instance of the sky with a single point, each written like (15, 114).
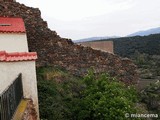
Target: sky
(77, 19)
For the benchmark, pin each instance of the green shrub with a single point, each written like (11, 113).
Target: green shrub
(151, 96)
(47, 94)
(56, 91)
(89, 98)
(104, 98)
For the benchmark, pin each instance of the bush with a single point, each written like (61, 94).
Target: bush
(151, 96)
(89, 98)
(56, 91)
(104, 98)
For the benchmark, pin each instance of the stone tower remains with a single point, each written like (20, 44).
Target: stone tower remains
(7, 0)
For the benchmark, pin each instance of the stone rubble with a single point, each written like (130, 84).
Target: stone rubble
(56, 51)
(30, 112)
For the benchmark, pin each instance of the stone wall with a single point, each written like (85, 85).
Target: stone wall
(106, 46)
(7, 0)
(56, 51)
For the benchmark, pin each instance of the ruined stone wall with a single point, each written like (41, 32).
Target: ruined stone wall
(106, 46)
(56, 51)
(30, 112)
(7, 0)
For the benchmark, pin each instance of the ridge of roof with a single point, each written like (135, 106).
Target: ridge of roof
(12, 25)
(17, 56)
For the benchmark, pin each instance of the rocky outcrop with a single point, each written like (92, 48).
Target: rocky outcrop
(56, 51)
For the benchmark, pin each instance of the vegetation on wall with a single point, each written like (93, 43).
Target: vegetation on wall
(65, 97)
(151, 96)
(56, 88)
(149, 69)
(105, 98)
(149, 65)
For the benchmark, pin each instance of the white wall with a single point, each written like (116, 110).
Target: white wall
(10, 70)
(13, 42)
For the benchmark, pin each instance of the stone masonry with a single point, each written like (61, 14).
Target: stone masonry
(106, 46)
(56, 51)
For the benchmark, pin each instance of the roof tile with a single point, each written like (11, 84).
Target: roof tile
(17, 56)
(11, 25)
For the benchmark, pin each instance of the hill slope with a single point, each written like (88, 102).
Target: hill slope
(55, 51)
(127, 46)
(146, 32)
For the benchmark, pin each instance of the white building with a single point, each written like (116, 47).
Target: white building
(13, 35)
(15, 58)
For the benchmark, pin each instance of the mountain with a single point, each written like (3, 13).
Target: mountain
(139, 33)
(146, 32)
(94, 39)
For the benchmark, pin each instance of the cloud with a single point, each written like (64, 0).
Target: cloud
(78, 9)
(84, 18)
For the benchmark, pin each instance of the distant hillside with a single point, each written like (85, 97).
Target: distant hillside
(126, 46)
(139, 33)
(146, 32)
(94, 39)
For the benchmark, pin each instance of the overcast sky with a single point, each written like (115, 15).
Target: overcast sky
(78, 19)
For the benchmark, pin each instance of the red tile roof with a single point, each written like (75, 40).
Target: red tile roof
(17, 56)
(11, 25)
